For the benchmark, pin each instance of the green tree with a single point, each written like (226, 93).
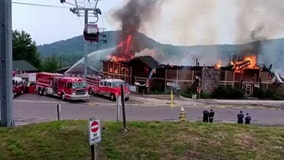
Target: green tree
(50, 64)
(24, 48)
(69, 59)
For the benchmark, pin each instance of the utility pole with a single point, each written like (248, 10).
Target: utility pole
(6, 63)
(86, 47)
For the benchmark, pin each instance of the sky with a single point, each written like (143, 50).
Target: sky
(178, 22)
(50, 24)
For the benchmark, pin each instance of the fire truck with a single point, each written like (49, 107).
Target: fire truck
(67, 88)
(18, 86)
(110, 88)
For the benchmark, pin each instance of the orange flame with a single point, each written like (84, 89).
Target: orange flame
(123, 52)
(128, 43)
(218, 65)
(249, 62)
(252, 60)
(117, 59)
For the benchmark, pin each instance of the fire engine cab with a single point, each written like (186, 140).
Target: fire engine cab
(67, 88)
(18, 86)
(107, 87)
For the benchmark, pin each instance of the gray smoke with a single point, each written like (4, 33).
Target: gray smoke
(263, 20)
(191, 22)
(132, 16)
(259, 19)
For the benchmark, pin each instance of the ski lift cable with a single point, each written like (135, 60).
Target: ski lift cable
(96, 3)
(103, 23)
(72, 4)
(38, 5)
(80, 21)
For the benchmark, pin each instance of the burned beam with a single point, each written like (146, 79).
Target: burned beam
(242, 65)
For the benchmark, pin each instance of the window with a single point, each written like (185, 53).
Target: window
(110, 69)
(126, 70)
(117, 84)
(68, 85)
(79, 85)
(116, 69)
(122, 70)
(222, 76)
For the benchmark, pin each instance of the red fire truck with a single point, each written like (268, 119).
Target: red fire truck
(67, 88)
(18, 86)
(107, 87)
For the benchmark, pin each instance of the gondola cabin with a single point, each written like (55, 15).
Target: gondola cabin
(91, 32)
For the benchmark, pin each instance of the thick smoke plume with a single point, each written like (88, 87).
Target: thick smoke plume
(206, 22)
(132, 16)
(259, 19)
(263, 20)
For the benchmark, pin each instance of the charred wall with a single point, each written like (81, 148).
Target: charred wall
(167, 78)
(116, 70)
(140, 70)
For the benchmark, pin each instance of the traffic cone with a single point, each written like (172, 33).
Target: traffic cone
(182, 115)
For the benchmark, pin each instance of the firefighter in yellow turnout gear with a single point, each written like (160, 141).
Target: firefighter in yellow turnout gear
(182, 115)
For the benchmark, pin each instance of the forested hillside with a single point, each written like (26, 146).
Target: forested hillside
(268, 51)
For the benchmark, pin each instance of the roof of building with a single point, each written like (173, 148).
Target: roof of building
(148, 60)
(62, 70)
(22, 65)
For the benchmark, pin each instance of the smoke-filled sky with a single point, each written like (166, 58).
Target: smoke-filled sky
(191, 22)
(180, 22)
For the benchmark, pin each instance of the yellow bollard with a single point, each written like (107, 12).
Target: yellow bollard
(182, 115)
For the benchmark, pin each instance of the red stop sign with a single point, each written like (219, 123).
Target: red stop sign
(94, 126)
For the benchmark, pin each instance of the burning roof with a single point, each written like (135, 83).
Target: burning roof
(248, 62)
(148, 60)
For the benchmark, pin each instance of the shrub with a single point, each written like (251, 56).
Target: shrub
(223, 92)
(259, 93)
(188, 92)
(205, 95)
(269, 94)
(277, 96)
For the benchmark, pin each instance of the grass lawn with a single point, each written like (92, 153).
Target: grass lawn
(144, 140)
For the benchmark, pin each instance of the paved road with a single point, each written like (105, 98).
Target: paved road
(34, 108)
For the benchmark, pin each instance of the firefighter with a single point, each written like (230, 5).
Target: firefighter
(247, 119)
(211, 115)
(205, 115)
(182, 115)
(240, 117)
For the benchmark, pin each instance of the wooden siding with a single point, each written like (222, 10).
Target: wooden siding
(165, 79)
(184, 74)
(231, 77)
(172, 73)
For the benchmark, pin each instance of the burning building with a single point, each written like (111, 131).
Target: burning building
(149, 76)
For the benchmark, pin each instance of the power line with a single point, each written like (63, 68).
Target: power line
(80, 21)
(72, 4)
(103, 23)
(39, 5)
